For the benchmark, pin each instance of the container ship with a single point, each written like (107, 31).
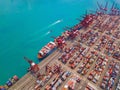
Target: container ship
(46, 50)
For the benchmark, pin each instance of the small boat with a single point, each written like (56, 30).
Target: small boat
(46, 50)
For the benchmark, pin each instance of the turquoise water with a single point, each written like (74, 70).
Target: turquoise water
(25, 26)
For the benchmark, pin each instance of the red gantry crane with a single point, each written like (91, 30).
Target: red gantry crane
(34, 68)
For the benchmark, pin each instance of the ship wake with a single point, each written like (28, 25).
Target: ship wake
(45, 28)
(39, 35)
(56, 22)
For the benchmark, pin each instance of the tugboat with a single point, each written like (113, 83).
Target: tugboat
(46, 50)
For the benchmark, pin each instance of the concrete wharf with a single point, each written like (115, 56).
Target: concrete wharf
(28, 81)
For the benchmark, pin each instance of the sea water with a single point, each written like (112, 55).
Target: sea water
(27, 25)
